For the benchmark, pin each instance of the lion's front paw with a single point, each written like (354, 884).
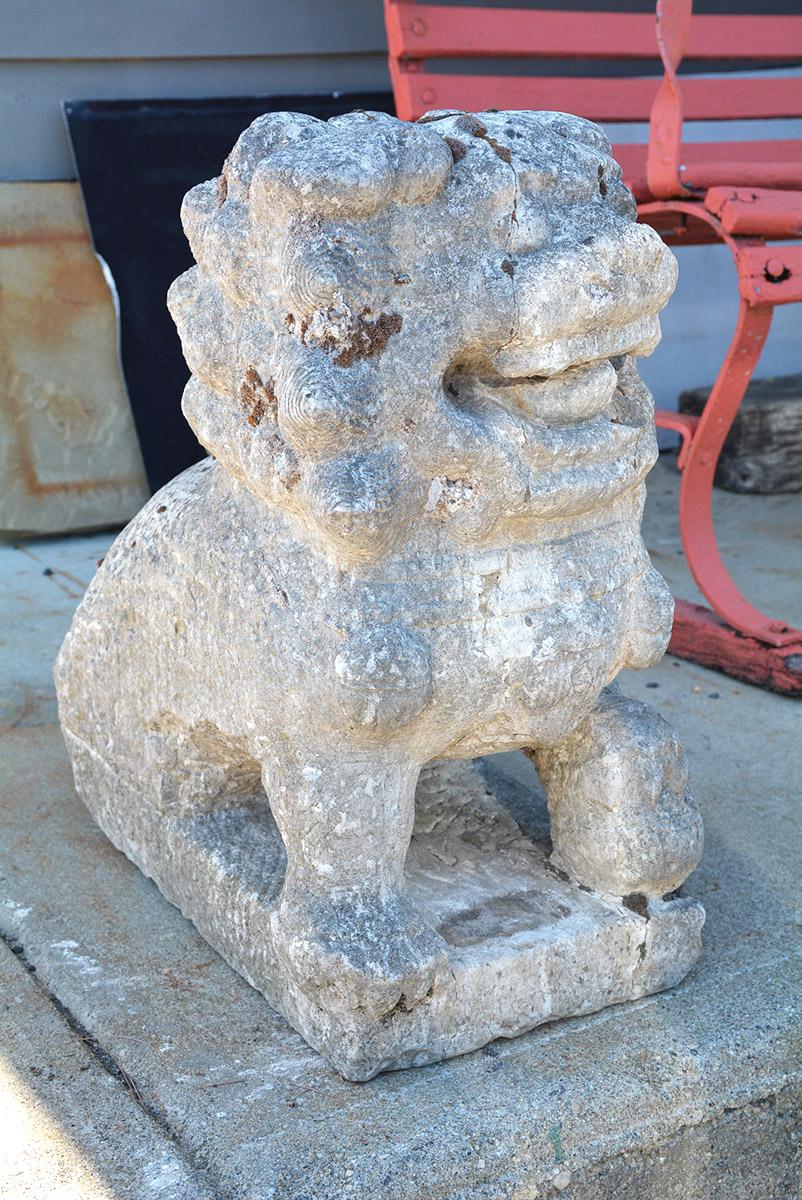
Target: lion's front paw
(355, 952)
(623, 819)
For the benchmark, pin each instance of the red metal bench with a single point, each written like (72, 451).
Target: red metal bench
(744, 194)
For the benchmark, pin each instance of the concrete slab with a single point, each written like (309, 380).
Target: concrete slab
(72, 1124)
(695, 1093)
(41, 583)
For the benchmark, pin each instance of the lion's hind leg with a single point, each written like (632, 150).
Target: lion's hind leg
(192, 769)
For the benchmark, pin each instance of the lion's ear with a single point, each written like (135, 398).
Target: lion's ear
(333, 174)
(268, 134)
(197, 209)
(419, 159)
(327, 175)
(423, 165)
(206, 327)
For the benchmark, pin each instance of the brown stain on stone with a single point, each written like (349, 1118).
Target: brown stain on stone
(470, 124)
(257, 397)
(504, 152)
(430, 118)
(475, 127)
(458, 149)
(369, 338)
(366, 338)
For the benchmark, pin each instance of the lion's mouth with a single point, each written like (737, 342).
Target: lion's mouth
(551, 358)
(583, 433)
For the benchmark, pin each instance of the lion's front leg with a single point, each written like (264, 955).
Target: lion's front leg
(622, 818)
(345, 931)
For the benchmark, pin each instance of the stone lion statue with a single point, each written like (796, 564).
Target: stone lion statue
(417, 536)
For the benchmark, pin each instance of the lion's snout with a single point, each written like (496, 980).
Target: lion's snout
(595, 298)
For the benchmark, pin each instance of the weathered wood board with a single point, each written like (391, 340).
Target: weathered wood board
(763, 451)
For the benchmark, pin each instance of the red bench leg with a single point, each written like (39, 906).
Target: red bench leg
(737, 639)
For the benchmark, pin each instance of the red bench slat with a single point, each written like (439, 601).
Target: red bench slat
(597, 99)
(436, 31)
(439, 31)
(721, 172)
(757, 212)
(772, 164)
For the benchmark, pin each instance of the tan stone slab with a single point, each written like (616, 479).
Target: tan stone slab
(69, 455)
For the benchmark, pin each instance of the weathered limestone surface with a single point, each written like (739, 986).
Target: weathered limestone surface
(420, 541)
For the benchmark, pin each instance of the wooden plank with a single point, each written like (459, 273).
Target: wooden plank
(440, 31)
(407, 108)
(744, 36)
(782, 150)
(596, 99)
(759, 164)
(733, 99)
(702, 637)
(747, 171)
(763, 450)
(601, 99)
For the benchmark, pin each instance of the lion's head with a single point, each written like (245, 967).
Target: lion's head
(392, 324)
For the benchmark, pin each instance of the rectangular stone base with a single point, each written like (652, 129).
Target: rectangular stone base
(526, 945)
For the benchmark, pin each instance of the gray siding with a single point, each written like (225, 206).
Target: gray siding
(44, 29)
(125, 49)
